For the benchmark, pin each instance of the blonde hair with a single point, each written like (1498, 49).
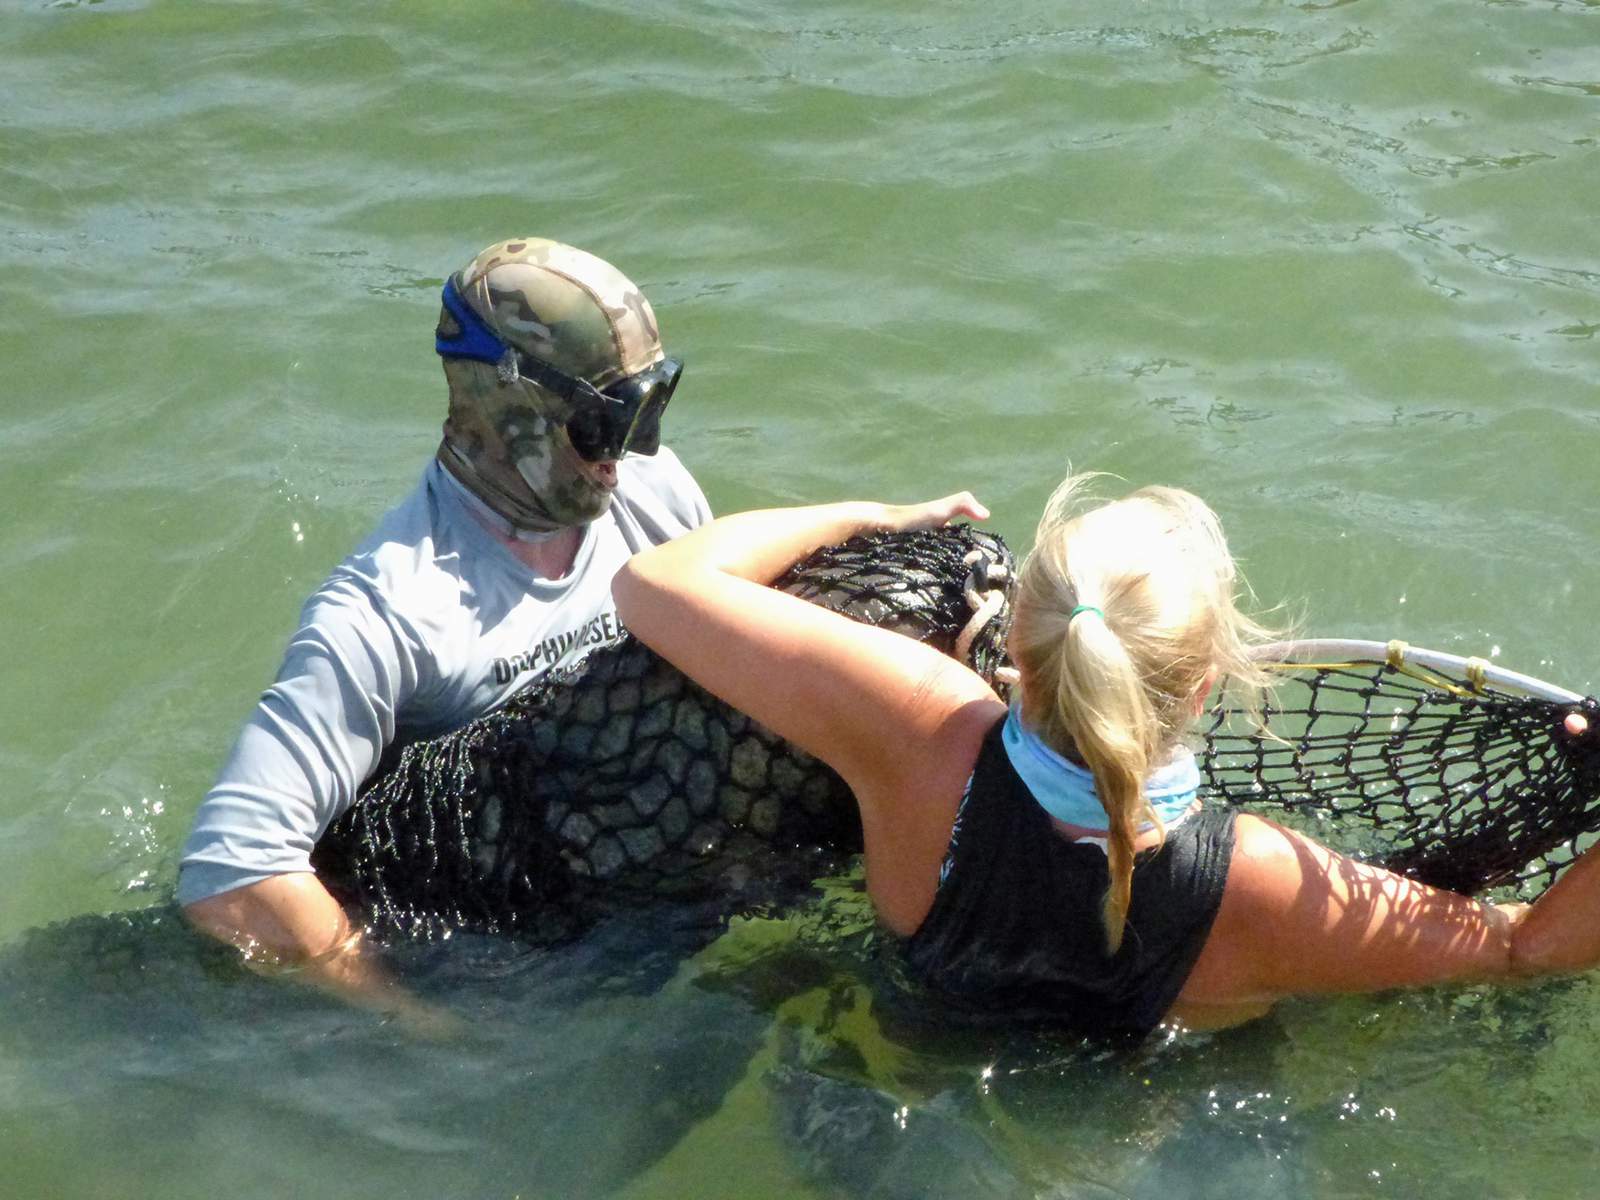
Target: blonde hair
(1125, 610)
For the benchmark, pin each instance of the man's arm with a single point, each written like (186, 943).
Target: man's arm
(283, 924)
(290, 925)
(313, 738)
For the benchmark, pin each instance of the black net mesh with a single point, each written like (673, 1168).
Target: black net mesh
(621, 777)
(1463, 789)
(621, 772)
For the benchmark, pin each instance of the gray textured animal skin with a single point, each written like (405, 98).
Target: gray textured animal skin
(623, 776)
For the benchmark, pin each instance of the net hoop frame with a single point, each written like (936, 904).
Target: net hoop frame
(1447, 769)
(1479, 673)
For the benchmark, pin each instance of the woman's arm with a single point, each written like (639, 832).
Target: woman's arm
(898, 720)
(1300, 919)
(761, 544)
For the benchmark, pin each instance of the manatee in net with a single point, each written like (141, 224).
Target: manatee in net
(619, 776)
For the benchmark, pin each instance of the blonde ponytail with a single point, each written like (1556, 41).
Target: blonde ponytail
(1123, 612)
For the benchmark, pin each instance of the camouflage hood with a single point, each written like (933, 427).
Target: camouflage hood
(505, 437)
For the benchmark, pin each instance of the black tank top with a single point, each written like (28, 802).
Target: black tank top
(1015, 930)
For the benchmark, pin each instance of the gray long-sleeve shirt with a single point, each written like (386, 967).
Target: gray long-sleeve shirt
(430, 623)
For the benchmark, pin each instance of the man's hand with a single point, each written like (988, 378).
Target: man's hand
(291, 925)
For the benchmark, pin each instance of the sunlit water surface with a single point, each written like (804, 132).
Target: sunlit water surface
(1334, 266)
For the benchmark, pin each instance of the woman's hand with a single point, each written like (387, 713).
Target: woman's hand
(933, 514)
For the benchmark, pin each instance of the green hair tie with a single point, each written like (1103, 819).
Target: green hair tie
(1085, 608)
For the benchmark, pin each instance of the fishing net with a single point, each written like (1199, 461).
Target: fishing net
(621, 775)
(1438, 768)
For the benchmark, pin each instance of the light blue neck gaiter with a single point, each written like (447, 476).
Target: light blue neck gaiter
(1066, 791)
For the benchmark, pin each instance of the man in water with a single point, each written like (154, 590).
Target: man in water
(495, 570)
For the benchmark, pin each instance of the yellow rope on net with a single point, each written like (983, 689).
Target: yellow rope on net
(1475, 670)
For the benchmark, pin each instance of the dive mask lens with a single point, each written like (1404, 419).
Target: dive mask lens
(625, 415)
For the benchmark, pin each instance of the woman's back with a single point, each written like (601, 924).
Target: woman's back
(1015, 927)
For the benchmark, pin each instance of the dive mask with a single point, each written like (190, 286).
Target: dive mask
(602, 423)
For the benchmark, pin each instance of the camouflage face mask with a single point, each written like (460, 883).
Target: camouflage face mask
(545, 345)
(504, 442)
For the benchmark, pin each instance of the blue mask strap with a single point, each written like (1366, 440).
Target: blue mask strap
(475, 339)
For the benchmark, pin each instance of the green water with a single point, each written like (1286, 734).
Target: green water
(1334, 266)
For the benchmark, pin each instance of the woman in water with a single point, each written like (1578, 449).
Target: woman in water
(1051, 860)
